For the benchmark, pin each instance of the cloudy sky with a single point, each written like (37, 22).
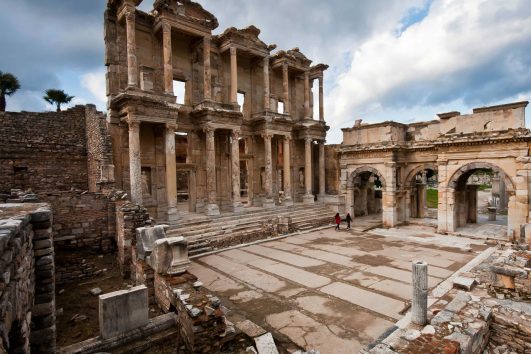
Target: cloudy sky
(402, 60)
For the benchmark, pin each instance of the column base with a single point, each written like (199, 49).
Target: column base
(212, 210)
(172, 215)
(308, 199)
(321, 198)
(268, 203)
(287, 202)
(237, 207)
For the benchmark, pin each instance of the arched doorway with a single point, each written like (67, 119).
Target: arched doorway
(422, 187)
(475, 211)
(366, 186)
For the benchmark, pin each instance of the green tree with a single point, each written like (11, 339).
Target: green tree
(8, 85)
(57, 98)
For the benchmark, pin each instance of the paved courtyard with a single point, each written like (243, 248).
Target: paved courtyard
(328, 290)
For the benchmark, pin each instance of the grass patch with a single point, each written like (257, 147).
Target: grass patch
(432, 198)
(483, 187)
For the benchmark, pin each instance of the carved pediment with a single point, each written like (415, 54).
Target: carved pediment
(246, 37)
(294, 55)
(192, 11)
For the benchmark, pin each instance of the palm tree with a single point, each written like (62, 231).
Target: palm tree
(57, 97)
(8, 85)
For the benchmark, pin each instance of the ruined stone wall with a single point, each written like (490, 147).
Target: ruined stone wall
(43, 151)
(332, 170)
(27, 281)
(99, 151)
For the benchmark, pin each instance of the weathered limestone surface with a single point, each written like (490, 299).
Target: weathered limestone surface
(419, 303)
(123, 311)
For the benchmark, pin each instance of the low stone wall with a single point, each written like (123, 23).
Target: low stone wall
(200, 316)
(27, 308)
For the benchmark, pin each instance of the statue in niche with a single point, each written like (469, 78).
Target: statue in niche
(301, 178)
(146, 181)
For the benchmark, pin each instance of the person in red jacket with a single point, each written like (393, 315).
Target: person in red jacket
(338, 221)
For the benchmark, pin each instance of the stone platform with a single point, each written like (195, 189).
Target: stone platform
(326, 290)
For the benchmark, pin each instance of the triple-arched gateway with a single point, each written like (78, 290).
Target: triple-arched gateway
(459, 170)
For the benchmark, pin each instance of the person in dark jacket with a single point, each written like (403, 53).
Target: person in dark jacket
(349, 220)
(338, 221)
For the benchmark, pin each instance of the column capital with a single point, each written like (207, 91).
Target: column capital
(287, 138)
(171, 125)
(166, 27)
(134, 125)
(129, 14)
(209, 130)
(267, 136)
(308, 139)
(233, 50)
(235, 133)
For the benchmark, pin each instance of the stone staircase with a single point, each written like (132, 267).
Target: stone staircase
(208, 234)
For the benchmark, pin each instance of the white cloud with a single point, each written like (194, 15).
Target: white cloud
(95, 83)
(455, 38)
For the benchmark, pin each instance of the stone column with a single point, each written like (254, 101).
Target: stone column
(321, 99)
(307, 113)
(419, 303)
(267, 94)
(212, 206)
(171, 172)
(135, 166)
(287, 172)
(233, 75)
(207, 74)
(268, 201)
(472, 199)
(235, 162)
(285, 86)
(132, 66)
(167, 55)
(322, 172)
(308, 197)
(421, 200)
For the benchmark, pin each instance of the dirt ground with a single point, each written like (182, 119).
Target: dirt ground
(77, 308)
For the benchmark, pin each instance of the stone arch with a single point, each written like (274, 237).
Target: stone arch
(417, 169)
(363, 169)
(470, 167)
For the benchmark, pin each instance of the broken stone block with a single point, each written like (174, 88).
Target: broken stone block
(464, 283)
(146, 237)
(265, 344)
(250, 328)
(169, 255)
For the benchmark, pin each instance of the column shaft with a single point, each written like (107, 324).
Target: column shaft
(167, 54)
(308, 197)
(321, 99)
(207, 75)
(419, 303)
(268, 166)
(267, 106)
(212, 207)
(287, 172)
(322, 185)
(233, 75)
(132, 67)
(285, 86)
(135, 167)
(171, 173)
(307, 113)
(235, 161)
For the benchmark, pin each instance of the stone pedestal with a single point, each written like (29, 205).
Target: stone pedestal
(308, 199)
(492, 213)
(169, 256)
(145, 239)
